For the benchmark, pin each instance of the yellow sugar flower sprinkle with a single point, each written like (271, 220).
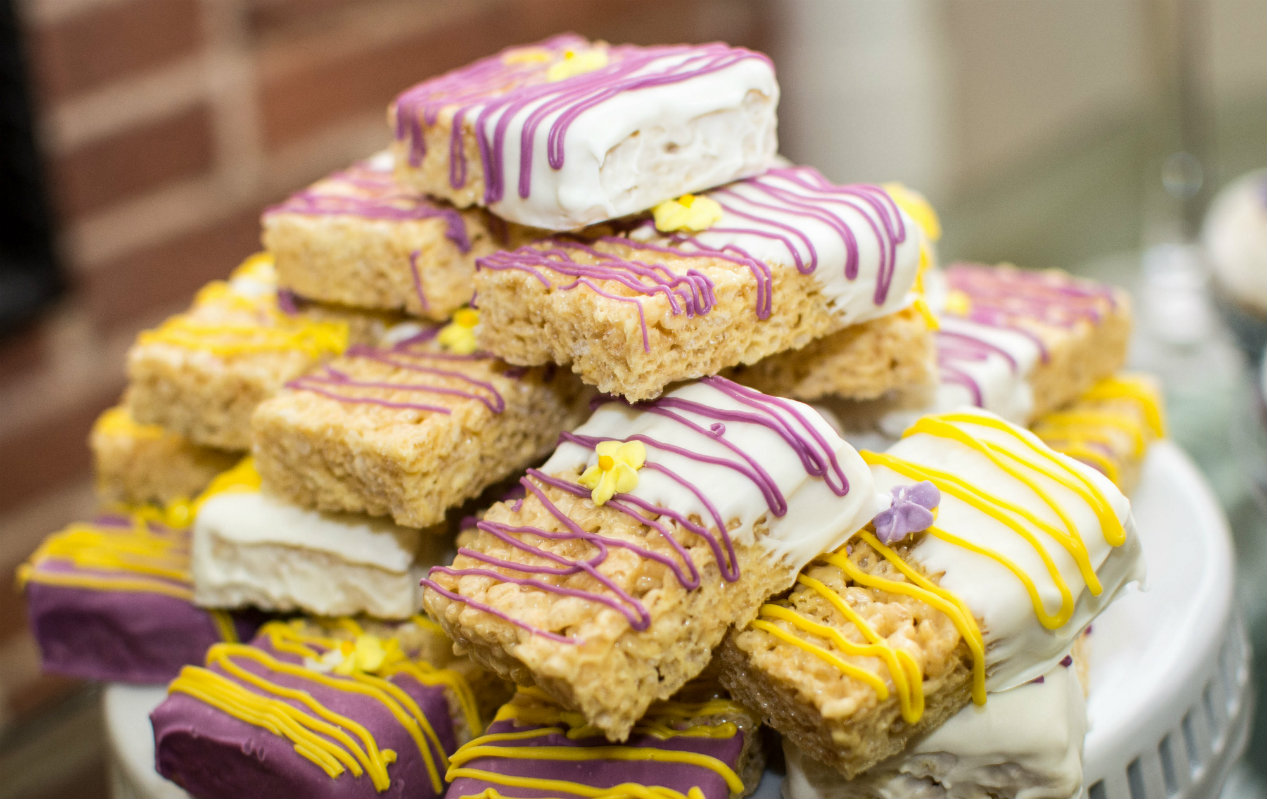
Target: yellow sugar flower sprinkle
(958, 303)
(917, 207)
(688, 212)
(577, 63)
(616, 470)
(368, 654)
(459, 335)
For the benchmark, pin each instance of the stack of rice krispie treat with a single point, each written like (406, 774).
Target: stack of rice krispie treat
(576, 308)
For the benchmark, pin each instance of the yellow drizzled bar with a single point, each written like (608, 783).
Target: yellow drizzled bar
(145, 559)
(332, 741)
(665, 720)
(262, 328)
(1021, 459)
(1124, 406)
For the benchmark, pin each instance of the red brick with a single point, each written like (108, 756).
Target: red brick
(167, 273)
(270, 17)
(296, 100)
(134, 161)
(53, 451)
(23, 351)
(112, 41)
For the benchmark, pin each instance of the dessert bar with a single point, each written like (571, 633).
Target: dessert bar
(651, 530)
(568, 132)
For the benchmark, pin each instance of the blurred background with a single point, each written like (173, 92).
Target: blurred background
(142, 138)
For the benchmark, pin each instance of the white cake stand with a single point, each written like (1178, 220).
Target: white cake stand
(1169, 704)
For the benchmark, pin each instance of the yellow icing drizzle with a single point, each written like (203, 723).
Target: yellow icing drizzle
(266, 328)
(1135, 388)
(1023, 522)
(148, 561)
(1092, 426)
(334, 757)
(1076, 431)
(330, 740)
(291, 639)
(1047, 463)
(117, 421)
(313, 338)
(224, 624)
(903, 670)
(663, 721)
(627, 790)
(242, 478)
(917, 207)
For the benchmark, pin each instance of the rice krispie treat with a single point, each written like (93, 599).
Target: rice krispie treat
(568, 132)
(252, 549)
(201, 373)
(138, 464)
(1055, 333)
(323, 708)
(649, 532)
(1025, 743)
(1018, 343)
(996, 552)
(742, 272)
(697, 744)
(362, 239)
(1110, 426)
(412, 428)
(112, 600)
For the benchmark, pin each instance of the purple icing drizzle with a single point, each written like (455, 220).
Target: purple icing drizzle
(377, 196)
(800, 191)
(493, 93)
(1003, 300)
(415, 355)
(781, 416)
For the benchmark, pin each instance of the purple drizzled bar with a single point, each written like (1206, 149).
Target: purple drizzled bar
(385, 199)
(796, 192)
(412, 355)
(479, 91)
(815, 453)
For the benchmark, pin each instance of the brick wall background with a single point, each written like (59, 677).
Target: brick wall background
(167, 125)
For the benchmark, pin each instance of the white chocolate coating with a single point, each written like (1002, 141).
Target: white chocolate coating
(1025, 742)
(638, 148)
(792, 214)
(1018, 646)
(252, 549)
(817, 520)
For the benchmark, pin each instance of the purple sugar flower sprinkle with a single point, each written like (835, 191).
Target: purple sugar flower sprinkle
(911, 511)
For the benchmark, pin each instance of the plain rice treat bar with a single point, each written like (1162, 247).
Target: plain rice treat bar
(412, 428)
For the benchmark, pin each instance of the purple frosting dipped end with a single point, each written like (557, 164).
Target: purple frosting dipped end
(211, 753)
(111, 600)
(118, 636)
